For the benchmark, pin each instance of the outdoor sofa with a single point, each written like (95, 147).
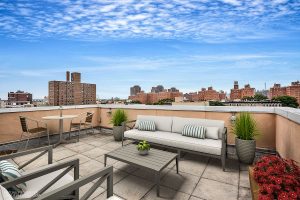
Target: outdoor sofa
(53, 181)
(168, 134)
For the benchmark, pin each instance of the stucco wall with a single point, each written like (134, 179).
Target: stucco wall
(288, 138)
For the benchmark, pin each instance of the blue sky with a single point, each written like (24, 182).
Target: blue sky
(188, 44)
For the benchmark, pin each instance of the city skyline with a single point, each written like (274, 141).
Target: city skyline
(118, 44)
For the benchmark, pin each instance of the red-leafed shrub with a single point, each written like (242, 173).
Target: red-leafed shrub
(277, 178)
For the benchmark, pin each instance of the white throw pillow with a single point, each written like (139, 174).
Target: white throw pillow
(212, 133)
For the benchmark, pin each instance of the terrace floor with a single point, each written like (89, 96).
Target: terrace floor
(199, 177)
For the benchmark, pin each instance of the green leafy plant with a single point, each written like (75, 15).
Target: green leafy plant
(143, 145)
(118, 117)
(245, 127)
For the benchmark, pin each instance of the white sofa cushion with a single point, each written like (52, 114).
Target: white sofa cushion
(212, 133)
(162, 123)
(33, 186)
(179, 122)
(4, 194)
(209, 146)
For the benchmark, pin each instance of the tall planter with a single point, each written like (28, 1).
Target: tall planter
(245, 129)
(118, 131)
(245, 150)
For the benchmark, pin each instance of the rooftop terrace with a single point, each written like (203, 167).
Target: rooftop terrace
(199, 178)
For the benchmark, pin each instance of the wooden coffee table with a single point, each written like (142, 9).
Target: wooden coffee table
(156, 160)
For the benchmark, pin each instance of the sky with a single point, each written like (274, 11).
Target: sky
(188, 44)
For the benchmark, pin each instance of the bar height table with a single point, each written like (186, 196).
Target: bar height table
(61, 125)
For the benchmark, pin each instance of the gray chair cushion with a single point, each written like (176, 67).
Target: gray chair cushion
(179, 122)
(33, 186)
(162, 123)
(209, 146)
(4, 194)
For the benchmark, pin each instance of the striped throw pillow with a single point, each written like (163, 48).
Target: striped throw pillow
(9, 172)
(146, 125)
(194, 131)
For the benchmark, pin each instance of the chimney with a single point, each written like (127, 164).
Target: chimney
(68, 76)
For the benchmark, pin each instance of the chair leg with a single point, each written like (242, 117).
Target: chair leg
(20, 142)
(78, 134)
(48, 137)
(26, 143)
(93, 130)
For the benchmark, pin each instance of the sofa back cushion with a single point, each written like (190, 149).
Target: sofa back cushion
(162, 123)
(179, 122)
(9, 172)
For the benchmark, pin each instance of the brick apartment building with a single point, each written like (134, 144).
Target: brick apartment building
(238, 94)
(19, 98)
(206, 95)
(293, 90)
(155, 95)
(71, 92)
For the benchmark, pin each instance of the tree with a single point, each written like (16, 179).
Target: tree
(287, 101)
(216, 103)
(259, 97)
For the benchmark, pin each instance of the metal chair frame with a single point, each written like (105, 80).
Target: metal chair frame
(26, 130)
(68, 191)
(85, 121)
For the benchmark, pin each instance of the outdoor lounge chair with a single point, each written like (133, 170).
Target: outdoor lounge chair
(29, 133)
(85, 122)
(53, 181)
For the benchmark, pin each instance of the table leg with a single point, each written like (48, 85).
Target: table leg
(177, 164)
(105, 160)
(157, 180)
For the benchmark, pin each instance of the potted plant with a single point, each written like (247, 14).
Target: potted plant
(118, 117)
(143, 147)
(245, 129)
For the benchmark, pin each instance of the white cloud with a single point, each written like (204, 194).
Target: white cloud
(210, 21)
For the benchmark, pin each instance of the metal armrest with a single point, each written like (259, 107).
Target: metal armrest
(128, 122)
(43, 151)
(41, 172)
(224, 135)
(101, 175)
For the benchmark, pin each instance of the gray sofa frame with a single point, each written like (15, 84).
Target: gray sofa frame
(71, 189)
(179, 150)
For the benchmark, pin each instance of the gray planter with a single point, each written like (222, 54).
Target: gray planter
(143, 152)
(118, 132)
(245, 150)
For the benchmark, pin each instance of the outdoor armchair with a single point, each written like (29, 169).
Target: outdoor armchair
(28, 133)
(43, 179)
(85, 121)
